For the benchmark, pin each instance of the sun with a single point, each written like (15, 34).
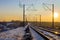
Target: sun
(55, 15)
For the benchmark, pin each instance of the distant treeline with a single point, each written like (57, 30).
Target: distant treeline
(45, 24)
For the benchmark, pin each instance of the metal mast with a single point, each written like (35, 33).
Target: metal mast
(40, 20)
(23, 14)
(53, 15)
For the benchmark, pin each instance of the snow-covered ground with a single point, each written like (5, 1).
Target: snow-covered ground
(15, 34)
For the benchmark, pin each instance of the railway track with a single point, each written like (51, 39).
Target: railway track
(31, 34)
(45, 33)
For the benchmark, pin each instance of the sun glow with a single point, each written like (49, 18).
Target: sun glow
(55, 15)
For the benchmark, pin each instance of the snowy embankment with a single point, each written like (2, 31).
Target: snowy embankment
(15, 34)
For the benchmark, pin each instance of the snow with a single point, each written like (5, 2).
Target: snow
(35, 35)
(15, 34)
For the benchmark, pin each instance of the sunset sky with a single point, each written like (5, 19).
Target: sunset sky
(11, 10)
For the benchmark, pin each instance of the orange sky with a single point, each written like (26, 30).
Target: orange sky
(10, 10)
